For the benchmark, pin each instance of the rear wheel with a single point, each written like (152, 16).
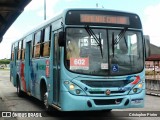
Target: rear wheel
(19, 91)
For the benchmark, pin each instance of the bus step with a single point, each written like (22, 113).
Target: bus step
(56, 107)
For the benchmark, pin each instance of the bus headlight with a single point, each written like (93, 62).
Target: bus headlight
(137, 88)
(73, 88)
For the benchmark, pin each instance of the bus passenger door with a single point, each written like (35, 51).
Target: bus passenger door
(56, 71)
(27, 65)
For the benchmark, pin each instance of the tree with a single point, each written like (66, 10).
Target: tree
(4, 61)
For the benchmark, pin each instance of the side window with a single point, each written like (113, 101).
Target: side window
(12, 53)
(23, 49)
(46, 42)
(37, 44)
(19, 50)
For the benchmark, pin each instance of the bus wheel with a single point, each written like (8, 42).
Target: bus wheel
(19, 91)
(46, 105)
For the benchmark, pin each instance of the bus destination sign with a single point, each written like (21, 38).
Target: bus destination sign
(110, 19)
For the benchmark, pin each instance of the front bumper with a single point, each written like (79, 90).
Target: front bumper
(71, 102)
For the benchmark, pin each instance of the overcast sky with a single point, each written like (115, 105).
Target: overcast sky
(148, 10)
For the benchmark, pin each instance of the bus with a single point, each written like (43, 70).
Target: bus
(82, 60)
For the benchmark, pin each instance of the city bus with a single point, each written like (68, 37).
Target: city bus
(83, 60)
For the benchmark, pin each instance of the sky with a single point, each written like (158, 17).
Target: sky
(33, 15)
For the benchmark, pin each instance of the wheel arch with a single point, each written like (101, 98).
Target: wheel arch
(43, 87)
(18, 79)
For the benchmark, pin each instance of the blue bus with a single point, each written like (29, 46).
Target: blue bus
(82, 60)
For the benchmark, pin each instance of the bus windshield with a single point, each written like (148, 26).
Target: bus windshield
(85, 55)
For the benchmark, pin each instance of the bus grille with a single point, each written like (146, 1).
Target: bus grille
(108, 101)
(103, 92)
(119, 83)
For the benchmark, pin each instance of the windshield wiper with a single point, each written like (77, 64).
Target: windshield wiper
(120, 35)
(118, 38)
(97, 39)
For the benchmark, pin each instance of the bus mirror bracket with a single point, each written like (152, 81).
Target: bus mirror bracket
(61, 40)
(147, 46)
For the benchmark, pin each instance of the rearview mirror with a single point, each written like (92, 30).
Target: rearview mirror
(147, 46)
(61, 38)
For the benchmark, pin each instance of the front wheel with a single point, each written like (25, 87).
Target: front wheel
(46, 105)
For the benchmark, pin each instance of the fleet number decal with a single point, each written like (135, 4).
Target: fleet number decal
(79, 63)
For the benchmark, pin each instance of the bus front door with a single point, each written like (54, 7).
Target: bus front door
(56, 71)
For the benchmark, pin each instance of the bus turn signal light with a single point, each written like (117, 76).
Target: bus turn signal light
(140, 85)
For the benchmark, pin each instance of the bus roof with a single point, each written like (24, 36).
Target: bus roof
(98, 9)
(39, 26)
(63, 13)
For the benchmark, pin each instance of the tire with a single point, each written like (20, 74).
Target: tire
(46, 105)
(19, 91)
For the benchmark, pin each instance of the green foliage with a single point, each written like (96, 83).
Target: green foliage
(4, 61)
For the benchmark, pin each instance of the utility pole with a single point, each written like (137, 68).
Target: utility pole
(44, 9)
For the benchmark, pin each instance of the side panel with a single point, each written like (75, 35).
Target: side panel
(14, 67)
(38, 72)
(34, 76)
(27, 65)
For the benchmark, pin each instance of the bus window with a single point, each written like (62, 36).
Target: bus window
(23, 49)
(127, 44)
(19, 50)
(46, 43)
(85, 48)
(12, 53)
(73, 50)
(37, 40)
(133, 44)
